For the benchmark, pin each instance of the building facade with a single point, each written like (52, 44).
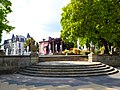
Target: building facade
(53, 45)
(15, 45)
(18, 45)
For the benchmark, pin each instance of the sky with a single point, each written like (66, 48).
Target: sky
(39, 18)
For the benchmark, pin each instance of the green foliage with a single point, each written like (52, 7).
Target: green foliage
(5, 8)
(27, 43)
(95, 20)
(30, 42)
(82, 41)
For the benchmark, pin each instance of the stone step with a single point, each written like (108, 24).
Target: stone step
(61, 69)
(67, 69)
(67, 63)
(67, 66)
(67, 72)
(71, 75)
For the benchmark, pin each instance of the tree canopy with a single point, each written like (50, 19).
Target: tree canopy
(5, 9)
(96, 20)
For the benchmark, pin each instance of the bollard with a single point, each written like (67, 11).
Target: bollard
(90, 57)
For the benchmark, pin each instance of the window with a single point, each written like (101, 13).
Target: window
(16, 51)
(19, 51)
(22, 39)
(19, 45)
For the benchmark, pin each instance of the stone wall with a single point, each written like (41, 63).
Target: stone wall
(14, 63)
(113, 60)
(10, 64)
(63, 58)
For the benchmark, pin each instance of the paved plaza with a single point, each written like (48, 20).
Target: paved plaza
(21, 82)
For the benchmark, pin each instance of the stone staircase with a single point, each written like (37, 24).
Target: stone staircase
(68, 69)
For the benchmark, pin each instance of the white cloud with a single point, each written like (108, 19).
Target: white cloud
(34, 16)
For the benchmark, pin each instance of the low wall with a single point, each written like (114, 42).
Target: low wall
(43, 58)
(13, 63)
(10, 64)
(113, 60)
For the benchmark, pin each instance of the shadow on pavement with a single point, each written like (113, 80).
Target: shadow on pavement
(108, 81)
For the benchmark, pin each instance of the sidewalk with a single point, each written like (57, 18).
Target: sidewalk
(20, 82)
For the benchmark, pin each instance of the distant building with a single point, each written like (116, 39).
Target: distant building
(52, 45)
(7, 46)
(18, 45)
(15, 45)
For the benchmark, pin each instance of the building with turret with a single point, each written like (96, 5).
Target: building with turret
(15, 45)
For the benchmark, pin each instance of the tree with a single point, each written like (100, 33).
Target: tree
(5, 8)
(96, 20)
(31, 43)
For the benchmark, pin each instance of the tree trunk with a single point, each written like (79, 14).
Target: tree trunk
(106, 51)
(110, 46)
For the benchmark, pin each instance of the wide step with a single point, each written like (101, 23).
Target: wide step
(71, 69)
(67, 68)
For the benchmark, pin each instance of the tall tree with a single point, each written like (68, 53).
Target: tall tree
(5, 9)
(96, 20)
